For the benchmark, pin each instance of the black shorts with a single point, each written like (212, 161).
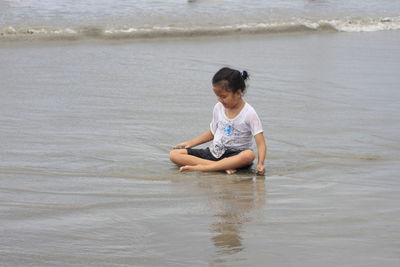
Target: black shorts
(205, 153)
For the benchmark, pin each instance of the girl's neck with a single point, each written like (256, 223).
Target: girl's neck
(231, 113)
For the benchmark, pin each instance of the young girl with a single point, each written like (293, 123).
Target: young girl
(232, 128)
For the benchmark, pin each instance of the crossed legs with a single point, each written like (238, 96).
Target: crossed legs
(192, 163)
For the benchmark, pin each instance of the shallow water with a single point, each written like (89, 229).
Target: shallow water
(86, 128)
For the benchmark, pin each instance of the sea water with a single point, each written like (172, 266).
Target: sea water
(132, 19)
(88, 116)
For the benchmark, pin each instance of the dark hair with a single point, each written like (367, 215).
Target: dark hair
(230, 79)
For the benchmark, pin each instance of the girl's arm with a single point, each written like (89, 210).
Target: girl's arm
(262, 151)
(201, 139)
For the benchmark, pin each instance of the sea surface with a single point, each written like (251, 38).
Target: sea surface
(131, 19)
(94, 94)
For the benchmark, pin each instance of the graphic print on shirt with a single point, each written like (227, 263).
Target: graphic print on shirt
(228, 129)
(227, 132)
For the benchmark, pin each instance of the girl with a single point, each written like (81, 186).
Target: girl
(234, 124)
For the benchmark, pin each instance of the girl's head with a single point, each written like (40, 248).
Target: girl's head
(230, 80)
(229, 86)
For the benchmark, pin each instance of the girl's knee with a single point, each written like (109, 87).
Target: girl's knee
(173, 155)
(176, 154)
(247, 156)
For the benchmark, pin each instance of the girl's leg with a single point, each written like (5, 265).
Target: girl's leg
(229, 165)
(181, 157)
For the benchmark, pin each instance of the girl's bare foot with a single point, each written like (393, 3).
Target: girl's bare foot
(231, 171)
(188, 168)
(200, 167)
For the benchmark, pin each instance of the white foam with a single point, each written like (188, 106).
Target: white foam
(366, 24)
(345, 24)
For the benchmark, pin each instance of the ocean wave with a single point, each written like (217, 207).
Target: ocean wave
(144, 32)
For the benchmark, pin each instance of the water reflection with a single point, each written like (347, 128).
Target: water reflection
(233, 204)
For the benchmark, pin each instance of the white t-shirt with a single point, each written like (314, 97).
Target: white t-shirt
(236, 133)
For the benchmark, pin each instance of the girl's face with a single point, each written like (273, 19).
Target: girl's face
(228, 98)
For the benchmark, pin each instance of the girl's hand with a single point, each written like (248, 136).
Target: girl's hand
(182, 145)
(260, 169)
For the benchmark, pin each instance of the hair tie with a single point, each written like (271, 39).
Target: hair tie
(244, 74)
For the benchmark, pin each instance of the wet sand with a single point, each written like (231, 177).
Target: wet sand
(86, 128)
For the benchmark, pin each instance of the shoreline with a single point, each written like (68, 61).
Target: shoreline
(50, 41)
